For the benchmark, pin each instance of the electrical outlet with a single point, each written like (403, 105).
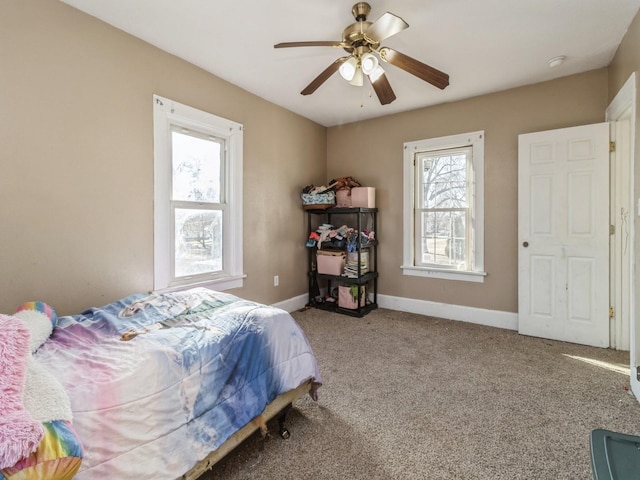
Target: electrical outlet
(276, 280)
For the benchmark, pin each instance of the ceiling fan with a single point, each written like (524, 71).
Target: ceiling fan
(362, 40)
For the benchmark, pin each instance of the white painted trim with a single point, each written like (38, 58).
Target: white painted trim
(221, 284)
(476, 141)
(462, 275)
(625, 99)
(293, 304)
(480, 316)
(166, 113)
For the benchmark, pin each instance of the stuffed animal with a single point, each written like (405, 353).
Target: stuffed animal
(40, 319)
(40, 410)
(20, 433)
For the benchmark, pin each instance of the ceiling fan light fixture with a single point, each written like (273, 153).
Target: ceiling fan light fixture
(358, 78)
(349, 68)
(369, 63)
(376, 74)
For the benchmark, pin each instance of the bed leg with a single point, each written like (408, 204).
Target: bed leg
(282, 417)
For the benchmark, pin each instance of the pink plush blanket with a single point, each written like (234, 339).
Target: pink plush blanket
(20, 434)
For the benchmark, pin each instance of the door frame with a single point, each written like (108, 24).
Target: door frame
(625, 327)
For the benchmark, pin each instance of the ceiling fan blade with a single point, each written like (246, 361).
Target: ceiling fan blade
(429, 74)
(309, 44)
(386, 26)
(383, 89)
(320, 79)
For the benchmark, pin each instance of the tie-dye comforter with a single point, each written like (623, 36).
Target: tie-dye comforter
(157, 382)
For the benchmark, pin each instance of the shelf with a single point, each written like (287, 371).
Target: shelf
(366, 278)
(343, 210)
(333, 307)
(322, 285)
(330, 248)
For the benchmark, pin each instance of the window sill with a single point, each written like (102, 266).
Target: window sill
(444, 274)
(219, 284)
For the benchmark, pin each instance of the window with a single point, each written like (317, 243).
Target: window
(443, 207)
(198, 198)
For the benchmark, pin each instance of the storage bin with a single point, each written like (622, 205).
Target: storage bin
(363, 197)
(352, 257)
(343, 198)
(346, 299)
(614, 455)
(330, 264)
(313, 201)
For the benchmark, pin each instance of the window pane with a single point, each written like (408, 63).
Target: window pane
(444, 238)
(444, 180)
(196, 168)
(198, 241)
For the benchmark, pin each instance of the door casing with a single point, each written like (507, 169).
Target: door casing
(625, 327)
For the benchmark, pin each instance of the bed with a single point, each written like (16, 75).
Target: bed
(163, 386)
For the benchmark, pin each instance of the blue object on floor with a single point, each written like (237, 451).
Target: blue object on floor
(615, 456)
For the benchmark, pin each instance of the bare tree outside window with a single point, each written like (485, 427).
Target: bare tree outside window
(442, 209)
(196, 197)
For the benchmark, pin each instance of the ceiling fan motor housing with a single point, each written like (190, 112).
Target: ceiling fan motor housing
(361, 11)
(353, 37)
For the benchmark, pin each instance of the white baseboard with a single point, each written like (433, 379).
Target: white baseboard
(293, 304)
(481, 316)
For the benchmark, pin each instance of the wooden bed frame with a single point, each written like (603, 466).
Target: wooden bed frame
(282, 403)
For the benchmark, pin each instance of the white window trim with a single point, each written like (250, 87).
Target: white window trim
(166, 113)
(476, 141)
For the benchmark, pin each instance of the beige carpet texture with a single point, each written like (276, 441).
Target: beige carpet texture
(407, 396)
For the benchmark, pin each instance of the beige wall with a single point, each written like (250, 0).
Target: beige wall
(372, 151)
(626, 60)
(76, 178)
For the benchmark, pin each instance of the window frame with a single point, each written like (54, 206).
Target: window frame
(475, 270)
(168, 114)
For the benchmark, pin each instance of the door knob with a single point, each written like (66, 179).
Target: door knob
(525, 244)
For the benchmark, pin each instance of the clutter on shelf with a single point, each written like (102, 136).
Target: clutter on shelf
(337, 249)
(340, 192)
(344, 237)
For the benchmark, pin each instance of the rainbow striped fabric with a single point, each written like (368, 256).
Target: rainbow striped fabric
(41, 307)
(58, 457)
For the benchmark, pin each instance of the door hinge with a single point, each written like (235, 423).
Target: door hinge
(612, 147)
(638, 373)
(612, 312)
(612, 229)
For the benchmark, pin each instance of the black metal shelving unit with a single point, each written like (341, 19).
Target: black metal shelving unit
(369, 279)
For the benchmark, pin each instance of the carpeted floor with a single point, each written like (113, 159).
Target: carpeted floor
(413, 397)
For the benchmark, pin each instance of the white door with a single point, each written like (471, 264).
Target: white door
(563, 234)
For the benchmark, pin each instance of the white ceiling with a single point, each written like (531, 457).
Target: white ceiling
(485, 46)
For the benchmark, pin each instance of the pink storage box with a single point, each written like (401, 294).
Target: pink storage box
(346, 300)
(343, 198)
(330, 264)
(363, 197)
